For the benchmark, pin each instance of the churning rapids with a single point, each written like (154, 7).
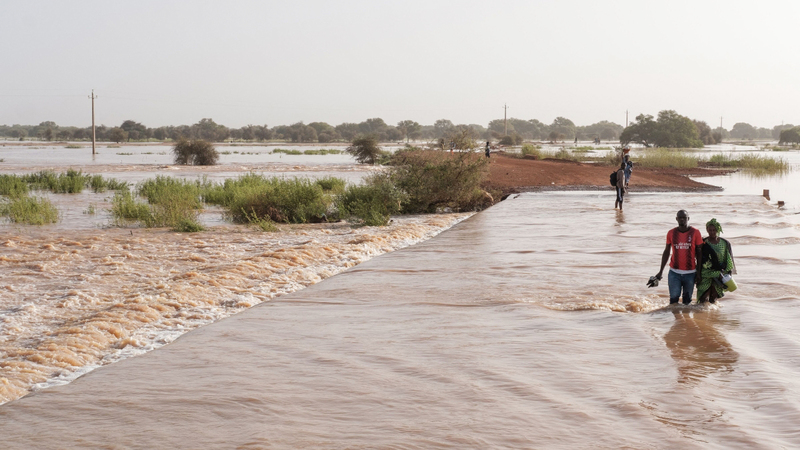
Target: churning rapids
(527, 325)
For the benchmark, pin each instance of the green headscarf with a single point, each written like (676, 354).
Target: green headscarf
(715, 224)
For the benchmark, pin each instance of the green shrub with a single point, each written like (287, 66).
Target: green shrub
(564, 154)
(532, 150)
(187, 225)
(372, 203)
(124, 208)
(506, 140)
(435, 179)
(13, 186)
(196, 153)
(164, 189)
(281, 200)
(29, 210)
(264, 223)
(332, 184)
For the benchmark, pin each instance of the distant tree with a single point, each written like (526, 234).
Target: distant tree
(776, 130)
(604, 130)
(263, 132)
(365, 149)
(64, 135)
(564, 127)
(197, 152)
(322, 127)
(723, 133)
(348, 131)
(463, 136)
(18, 132)
(704, 132)
(642, 130)
(409, 129)
(248, 133)
(374, 126)
(743, 130)
(792, 135)
(441, 126)
(207, 129)
(136, 131)
(300, 132)
(48, 134)
(676, 131)
(81, 134)
(117, 134)
(498, 127)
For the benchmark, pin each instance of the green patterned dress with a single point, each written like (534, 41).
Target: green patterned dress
(709, 272)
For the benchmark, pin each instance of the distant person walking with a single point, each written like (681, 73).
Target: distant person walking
(452, 146)
(488, 150)
(716, 260)
(620, 186)
(628, 169)
(684, 242)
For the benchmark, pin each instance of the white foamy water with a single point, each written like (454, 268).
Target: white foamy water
(72, 301)
(528, 325)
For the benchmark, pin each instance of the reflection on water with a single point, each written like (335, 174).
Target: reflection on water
(698, 345)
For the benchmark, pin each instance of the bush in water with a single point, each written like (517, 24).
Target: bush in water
(435, 179)
(280, 200)
(372, 203)
(196, 153)
(365, 149)
(29, 210)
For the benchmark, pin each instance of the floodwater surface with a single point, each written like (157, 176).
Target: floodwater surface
(528, 325)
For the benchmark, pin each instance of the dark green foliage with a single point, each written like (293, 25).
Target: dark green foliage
(13, 186)
(187, 225)
(165, 189)
(29, 210)
(196, 153)
(506, 140)
(331, 184)
(373, 202)
(670, 130)
(792, 135)
(172, 203)
(280, 200)
(71, 182)
(434, 179)
(365, 149)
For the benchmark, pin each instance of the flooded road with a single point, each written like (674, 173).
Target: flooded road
(528, 325)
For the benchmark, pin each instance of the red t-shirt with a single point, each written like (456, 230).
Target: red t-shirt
(683, 247)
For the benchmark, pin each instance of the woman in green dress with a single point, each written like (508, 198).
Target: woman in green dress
(716, 259)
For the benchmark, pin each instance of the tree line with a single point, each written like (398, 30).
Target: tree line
(669, 129)
(320, 132)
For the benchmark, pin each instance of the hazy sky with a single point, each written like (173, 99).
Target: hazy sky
(279, 62)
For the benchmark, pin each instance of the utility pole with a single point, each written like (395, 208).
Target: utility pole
(626, 118)
(720, 123)
(505, 119)
(93, 134)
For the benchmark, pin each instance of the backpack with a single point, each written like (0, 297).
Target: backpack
(613, 178)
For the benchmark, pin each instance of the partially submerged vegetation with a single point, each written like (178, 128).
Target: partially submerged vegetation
(29, 210)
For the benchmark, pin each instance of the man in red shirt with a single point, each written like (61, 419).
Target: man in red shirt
(684, 242)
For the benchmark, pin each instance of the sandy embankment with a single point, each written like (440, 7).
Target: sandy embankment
(510, 175)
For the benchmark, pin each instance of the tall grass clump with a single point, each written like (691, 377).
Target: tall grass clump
(280, 200)
(756, 163)
(372, 203)
(435, 179)
(13, 186)
(164, 189)
(70, 182)
(663, 157)
(332, 184)
(100, 184)
(564, 154)
(29, 210)
(532, 150)
(175, 205)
